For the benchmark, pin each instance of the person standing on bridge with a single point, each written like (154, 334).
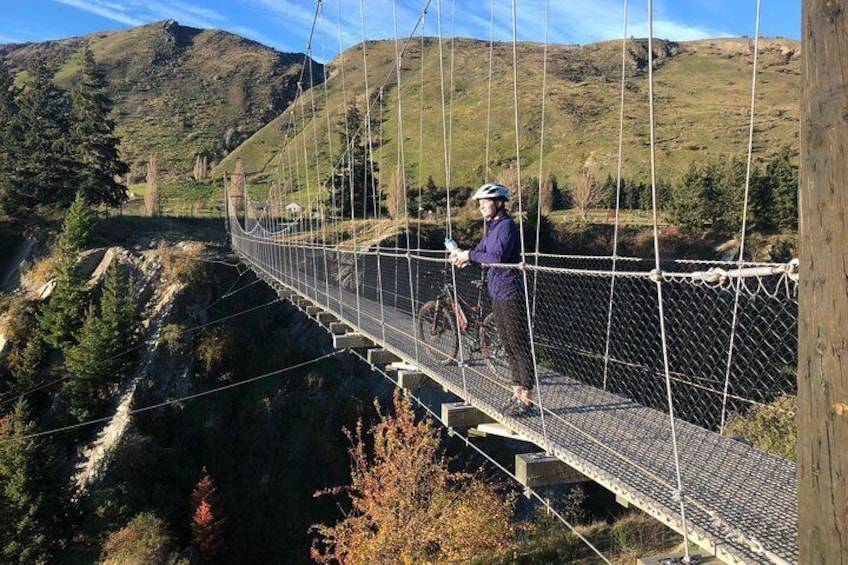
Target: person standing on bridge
(501, 244)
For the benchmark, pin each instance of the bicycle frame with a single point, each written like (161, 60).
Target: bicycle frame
(443, 322)
(459, 312)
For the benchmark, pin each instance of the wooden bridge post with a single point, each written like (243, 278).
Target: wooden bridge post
(823, 293)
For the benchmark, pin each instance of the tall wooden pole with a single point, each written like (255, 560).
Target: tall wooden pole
(823, 294)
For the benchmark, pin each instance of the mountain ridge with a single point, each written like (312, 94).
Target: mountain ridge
(701, 92)
(178, 91)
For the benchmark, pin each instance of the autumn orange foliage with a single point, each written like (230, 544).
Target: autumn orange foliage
(407, 506)
(206, 526)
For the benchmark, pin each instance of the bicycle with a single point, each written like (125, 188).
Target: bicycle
(438, 320)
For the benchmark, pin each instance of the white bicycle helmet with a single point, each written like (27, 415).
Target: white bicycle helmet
(491, 190)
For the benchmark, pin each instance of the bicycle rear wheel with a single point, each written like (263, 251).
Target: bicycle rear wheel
(492, 348)
(437, 331)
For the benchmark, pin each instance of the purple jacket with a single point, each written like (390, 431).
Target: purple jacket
(501, 244)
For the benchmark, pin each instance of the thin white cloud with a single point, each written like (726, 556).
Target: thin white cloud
(251, 33)
(295, 19)
(138, 12)
(291, 22)
(199, 12)
(285, 24)
(105, 10)
(186, 14)
(677, 31)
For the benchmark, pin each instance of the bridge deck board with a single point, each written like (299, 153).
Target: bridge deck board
(741, 503)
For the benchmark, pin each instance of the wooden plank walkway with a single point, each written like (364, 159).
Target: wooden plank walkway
(741, 503)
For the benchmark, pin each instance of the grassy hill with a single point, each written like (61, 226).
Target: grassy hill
(701, 91)
(178, 91)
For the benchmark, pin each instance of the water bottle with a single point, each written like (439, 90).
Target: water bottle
(451, 246)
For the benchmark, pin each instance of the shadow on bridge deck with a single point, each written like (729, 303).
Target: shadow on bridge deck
(741, 503)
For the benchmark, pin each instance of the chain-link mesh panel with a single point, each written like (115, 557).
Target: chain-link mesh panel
(600, 366)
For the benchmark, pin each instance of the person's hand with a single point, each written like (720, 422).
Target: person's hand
(461, 259)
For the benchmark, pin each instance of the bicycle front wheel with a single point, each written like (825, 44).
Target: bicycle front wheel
(437, 332)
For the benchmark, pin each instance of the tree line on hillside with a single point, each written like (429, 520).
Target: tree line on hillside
(67, 355)
(709, 195)
(55, 144)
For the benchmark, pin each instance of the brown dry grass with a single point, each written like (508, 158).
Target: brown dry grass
(44, 269)
(182, 262)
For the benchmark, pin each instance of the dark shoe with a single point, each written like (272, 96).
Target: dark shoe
(523, 410)
(511, 408)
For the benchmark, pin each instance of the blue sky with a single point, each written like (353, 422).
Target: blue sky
(285, 24)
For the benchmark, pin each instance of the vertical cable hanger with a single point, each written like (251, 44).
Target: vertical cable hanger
(522, 265)
(679, 494)
(617, 197)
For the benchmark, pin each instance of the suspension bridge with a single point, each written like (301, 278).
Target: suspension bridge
(644, 367)
(603, 405)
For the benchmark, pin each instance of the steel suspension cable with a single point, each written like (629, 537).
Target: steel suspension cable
(680, 494)
(490, 458)
(172, 401)
(448, 171)
(617, 196)
(300, 218)
(737, 291)
(541, 181)
(370, 167)
(420, 172)
(307, 62)
(522, 264)
(272, 190)
(446, 155)
(322, 214)
(17, 396)
(402, 167)
(333, 202)
(443, 107)
(489, 90)
(309, 209)
(292, 251)
(347, 155)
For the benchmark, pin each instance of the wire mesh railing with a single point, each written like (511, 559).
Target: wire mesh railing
(385, 292)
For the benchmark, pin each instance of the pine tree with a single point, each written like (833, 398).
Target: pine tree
(7, 93)
(8, 108)
(27, 364)
(103, 355)
(44, 168)
(93, 139)
(88, 363)
(32, 492)
(207, 524)
(77, 227)
(63, 314)
(731, 193)
(355, 185)
(782, 175)
(689, 209)
(120, 316)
